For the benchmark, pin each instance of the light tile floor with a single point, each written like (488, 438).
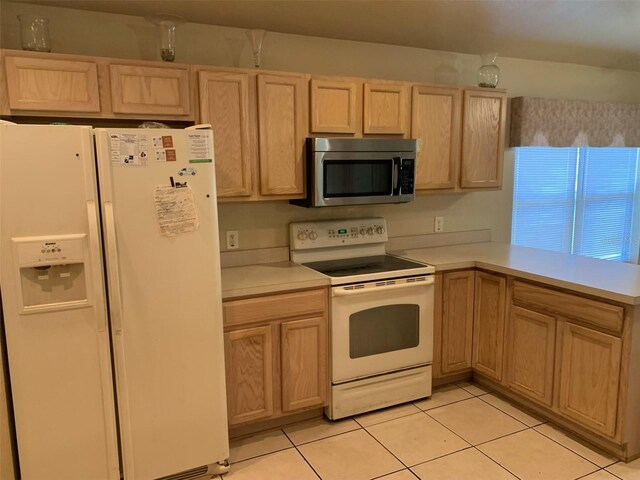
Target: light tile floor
(461, 432)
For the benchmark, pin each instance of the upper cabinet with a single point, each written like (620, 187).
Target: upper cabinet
(335, 105)
(260, 118)
(281, 129)
(61, 85)
(435, 124)
(150, 90)
(259, 128)
(482, 150)
(386, 108)
(227, 102)
(357, 107)
(52, 85)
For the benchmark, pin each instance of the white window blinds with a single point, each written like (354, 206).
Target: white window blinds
(580, 201)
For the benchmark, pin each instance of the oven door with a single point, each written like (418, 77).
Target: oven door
(379, 327)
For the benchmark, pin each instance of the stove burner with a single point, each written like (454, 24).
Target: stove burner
(362, 265)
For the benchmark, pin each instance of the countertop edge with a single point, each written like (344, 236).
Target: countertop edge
(231, 294)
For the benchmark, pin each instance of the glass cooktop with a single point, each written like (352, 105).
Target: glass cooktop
(362, 265)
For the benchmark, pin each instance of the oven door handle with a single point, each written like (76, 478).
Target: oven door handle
(343, 292)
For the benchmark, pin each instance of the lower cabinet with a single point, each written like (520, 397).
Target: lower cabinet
(590, 377)
(249, 367)
(488, 327)
(276, 355)
(456, 321)
(304, 363)
(531, 343)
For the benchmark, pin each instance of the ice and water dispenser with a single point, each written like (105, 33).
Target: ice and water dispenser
(52, 272)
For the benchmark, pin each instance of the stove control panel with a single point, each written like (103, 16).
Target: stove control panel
(334, 233)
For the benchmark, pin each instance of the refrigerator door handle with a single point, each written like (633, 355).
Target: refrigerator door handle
(113, 273)
(94, 252)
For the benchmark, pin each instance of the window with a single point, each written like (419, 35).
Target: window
(577, 200)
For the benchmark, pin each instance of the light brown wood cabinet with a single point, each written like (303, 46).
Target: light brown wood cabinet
(276, 354)
(590, 377)
(249, 369)
(565, 351)
(281, 133)
(335, 105)
(50, 85)
(259, 128)
(147, 90)
(386, 108)
(62, 85)
(435, 124)
(482, 149)
(227, 102)
(456, 322)
(531, 345)
(304, 363)
(489, 319)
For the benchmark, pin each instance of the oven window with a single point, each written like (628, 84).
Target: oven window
(383, 329)
(357, 178)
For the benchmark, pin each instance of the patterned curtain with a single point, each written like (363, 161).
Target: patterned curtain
(573, 123)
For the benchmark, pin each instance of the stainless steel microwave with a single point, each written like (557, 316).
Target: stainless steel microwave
(358, 171)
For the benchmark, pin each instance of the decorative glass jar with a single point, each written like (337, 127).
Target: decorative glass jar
(34, 33)
(167, 25)
(489, 73)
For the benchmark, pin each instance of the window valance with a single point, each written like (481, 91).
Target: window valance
(573, 123)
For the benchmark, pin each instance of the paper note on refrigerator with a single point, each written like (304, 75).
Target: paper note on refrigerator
(129, 149)
(199, 146)
(175, 210)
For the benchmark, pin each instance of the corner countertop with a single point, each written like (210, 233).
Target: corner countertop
(610, 280)
(268, 278)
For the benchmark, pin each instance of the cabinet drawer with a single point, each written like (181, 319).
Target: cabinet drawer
(586, 310)
(274, 307)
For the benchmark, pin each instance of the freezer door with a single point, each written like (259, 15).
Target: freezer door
(54, 305)
(160, 226)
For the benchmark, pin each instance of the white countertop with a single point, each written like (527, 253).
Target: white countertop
(268, 278)
(611, 280)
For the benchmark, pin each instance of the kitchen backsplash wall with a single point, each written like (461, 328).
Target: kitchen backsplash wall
(265, 224)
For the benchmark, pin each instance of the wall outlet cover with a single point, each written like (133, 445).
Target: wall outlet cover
(233, 240)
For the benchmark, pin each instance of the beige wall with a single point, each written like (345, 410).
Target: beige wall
(265, 224)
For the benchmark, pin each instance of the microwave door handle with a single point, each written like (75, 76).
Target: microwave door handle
(396, 175)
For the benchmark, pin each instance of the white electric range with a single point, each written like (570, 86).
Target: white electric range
(381, 315)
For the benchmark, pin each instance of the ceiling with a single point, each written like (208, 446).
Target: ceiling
(602, 33)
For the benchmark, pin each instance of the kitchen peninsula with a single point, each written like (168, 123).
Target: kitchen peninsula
(551, 331)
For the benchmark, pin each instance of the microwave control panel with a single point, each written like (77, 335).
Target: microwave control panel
(333, 233)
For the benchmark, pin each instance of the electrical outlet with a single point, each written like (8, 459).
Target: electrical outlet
(233, 240)
(438, 224)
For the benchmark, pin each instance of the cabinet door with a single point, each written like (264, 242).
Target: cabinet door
(488, 331)
(483, 126)
(334, 106)
(249, 367)
(150, 90)
(457, 321)
(531, 342)
(589, 377)
(225, 103)
(435, 124)
(52, 85)
(281, 130)
(386, 108)
(304, 363)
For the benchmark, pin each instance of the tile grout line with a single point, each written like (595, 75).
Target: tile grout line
(507, 413)
(301, 454)
(481, 443)
(360, 427)
(383, 446)
(498, 463)
(570, 449)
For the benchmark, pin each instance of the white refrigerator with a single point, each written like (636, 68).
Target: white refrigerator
(110, 277)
